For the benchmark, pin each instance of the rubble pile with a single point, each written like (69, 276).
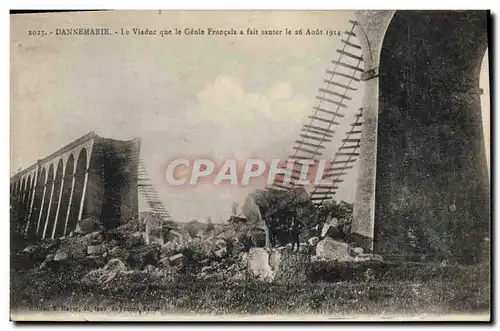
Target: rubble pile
(136, 250)
(149, 251)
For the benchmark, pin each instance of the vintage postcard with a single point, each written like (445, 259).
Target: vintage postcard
(250, 166)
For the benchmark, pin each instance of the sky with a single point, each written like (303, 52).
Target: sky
(198, 96)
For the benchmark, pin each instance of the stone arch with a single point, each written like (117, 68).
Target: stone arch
(431, 173)
(37, 202)
(20, 194)
(13, 199)
(47, 198)
(25, 201)
(81, 167)
(22, 188)
(31, 199)
(17, 195)
(19, 201)
(65, 197)
(55, 199)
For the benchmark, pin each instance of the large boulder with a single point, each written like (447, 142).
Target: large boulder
(252, 212)
(258, 264)
(275, 257)
(251, 208)
(277, 265)
(154, 232)
(31, 249)
(330, 249)
(357, 251)
(60, 256)
(96, 249)
(330, 227)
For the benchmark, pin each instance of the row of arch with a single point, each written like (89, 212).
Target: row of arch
(49, 202)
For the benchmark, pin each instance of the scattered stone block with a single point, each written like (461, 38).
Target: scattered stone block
(95, 249)
(330, 249)
(177, 259)
(60, 256)
(154, 230)
(275, 259)
(258, 264)
(32, 249)
(330, 228)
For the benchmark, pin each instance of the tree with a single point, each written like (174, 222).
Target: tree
(286, 213)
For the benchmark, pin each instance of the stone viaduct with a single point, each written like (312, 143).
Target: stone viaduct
(92, 176)
(423, 184)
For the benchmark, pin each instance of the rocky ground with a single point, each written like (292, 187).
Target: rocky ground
(219, 273)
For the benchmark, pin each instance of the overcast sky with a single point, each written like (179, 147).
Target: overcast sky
(218, 97)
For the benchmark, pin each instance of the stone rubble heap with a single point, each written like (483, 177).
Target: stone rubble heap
(223, 254)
